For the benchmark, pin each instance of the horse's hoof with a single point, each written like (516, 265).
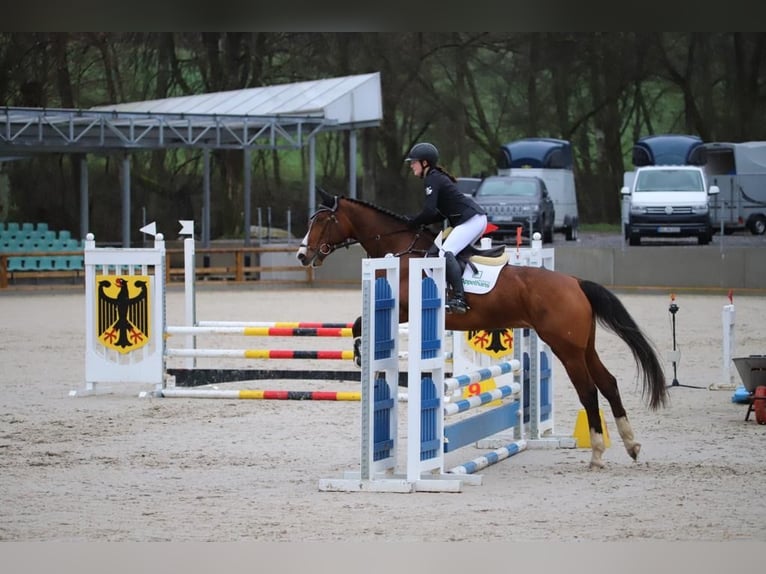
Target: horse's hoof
(634, 450)
(596, 464)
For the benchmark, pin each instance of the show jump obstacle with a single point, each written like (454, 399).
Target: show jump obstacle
(511, 425)
(126, 332)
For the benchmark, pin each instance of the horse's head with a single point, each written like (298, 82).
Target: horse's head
(327, 232)
(342, 222)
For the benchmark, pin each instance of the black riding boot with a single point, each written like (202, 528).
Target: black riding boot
(454, 276)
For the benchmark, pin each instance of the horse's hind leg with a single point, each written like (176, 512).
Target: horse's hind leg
(588, 394)
(607, 384)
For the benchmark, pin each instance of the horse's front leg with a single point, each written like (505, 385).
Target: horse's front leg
(356, 333)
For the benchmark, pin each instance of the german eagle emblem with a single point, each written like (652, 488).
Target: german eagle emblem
(122, 312)
(496, 343)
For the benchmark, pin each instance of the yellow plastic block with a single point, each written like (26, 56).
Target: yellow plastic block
(582, 431)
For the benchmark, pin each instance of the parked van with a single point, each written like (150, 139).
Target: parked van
(739, 171)
(550, 160)
(668, 194)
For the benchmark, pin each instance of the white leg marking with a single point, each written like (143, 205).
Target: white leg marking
(597, 449)
(626, 433)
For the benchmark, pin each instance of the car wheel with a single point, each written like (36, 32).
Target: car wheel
(548, 234)
(634, 240)
(757, 225)
(703, 239)
(570, 233)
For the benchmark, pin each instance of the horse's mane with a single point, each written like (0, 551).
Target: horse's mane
(392, 214)
(397, 216)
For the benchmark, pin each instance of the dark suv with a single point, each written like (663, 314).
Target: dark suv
(517, 201)
(468, 185)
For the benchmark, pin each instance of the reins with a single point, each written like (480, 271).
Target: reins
(410, 247)
(326, 248)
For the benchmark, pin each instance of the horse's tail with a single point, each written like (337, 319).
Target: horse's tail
(612, 314)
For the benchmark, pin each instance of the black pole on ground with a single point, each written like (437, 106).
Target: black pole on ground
(673, 309)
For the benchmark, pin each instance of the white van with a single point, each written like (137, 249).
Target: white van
(550, 160)
(668, 201)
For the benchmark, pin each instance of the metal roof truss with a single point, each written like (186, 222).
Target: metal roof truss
(24, 130)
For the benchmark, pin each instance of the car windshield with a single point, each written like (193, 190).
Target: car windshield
(508, 187)
(669, 180)
(467, 186)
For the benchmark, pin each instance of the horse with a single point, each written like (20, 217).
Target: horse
(562, 309)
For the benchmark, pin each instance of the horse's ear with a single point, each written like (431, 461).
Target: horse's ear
(327, 199)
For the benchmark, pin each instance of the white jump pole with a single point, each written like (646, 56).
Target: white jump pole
(728, 322)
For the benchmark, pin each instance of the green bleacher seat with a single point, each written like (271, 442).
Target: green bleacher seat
(61, 263)
(47, 240)
(46, 263)
(71, 245)
(65, 234)
(16, 263)
(41, 226)
(76, 262)
(12, 232)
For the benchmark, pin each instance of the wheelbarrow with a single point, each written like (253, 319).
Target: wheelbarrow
(752, 371)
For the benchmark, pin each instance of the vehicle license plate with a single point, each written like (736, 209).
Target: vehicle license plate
(668, 230)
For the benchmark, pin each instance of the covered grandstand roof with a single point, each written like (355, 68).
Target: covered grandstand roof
(270, 117)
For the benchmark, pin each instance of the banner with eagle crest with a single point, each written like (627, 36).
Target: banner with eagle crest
(123, 312)
(497, 343)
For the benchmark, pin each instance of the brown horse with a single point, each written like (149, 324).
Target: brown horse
(562, 309)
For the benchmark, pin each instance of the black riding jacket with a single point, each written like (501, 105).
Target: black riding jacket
(444, 201)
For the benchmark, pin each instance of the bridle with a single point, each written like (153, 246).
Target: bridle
(325, 248)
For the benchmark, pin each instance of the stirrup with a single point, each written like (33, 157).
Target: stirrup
(457, 305)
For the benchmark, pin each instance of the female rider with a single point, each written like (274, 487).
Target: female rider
(445, 203)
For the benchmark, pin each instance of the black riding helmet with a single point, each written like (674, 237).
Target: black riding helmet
(424, 151)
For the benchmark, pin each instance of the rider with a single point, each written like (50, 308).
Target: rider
(445, 202)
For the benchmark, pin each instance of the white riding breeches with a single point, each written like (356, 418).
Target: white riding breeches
(464, 234)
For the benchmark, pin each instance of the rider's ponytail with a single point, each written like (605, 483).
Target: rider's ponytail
(440, 168)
